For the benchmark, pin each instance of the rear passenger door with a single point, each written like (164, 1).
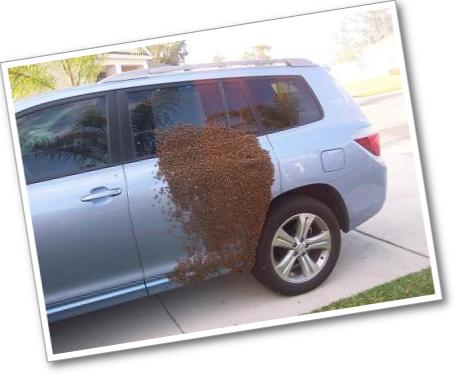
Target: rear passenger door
(147, 109)
(78, 198)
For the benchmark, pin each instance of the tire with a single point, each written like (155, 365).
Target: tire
(290, 268)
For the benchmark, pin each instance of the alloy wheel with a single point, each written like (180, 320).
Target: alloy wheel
(300, 247)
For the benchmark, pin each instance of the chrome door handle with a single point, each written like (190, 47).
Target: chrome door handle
(101, 194)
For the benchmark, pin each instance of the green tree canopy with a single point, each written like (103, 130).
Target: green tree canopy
(77, 70)
(30, 79)
(37, 78)
(173, 53)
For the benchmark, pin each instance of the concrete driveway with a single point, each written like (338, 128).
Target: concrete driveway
(389, 245)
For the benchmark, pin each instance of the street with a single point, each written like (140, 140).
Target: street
(390, 245)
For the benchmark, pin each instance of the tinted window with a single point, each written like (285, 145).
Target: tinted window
(64, 139)
(165, 107)
(283, 102)
(211, 100)
(240, 115)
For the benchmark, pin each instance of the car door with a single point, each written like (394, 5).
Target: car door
(146, 109)
(78, 199)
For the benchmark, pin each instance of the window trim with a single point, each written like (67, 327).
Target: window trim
(112, 124)
(307, 87)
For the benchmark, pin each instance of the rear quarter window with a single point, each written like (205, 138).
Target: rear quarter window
(284, 102)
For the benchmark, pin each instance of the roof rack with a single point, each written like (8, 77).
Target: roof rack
(144, 73)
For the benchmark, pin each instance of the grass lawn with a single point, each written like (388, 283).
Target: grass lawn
(412, 285)
(374, 86)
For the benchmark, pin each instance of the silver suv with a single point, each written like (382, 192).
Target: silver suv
(89, 158)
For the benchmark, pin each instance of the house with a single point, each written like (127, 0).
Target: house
(116, 62)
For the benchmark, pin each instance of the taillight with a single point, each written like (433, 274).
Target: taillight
(371, 143)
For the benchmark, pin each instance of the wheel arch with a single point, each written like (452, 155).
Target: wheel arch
(324, 193)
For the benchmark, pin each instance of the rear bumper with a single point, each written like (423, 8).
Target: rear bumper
(363, 191)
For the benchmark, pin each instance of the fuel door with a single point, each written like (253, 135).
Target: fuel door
(333, 160)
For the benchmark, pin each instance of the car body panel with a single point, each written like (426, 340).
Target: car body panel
(363, 191)
(83, 247)
(299, 151)
(95, 301)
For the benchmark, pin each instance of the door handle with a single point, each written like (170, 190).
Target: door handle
(97, 194)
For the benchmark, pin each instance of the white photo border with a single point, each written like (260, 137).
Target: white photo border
(391, 5)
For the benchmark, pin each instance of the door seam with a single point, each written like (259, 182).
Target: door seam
(279, 166)
(130, 218)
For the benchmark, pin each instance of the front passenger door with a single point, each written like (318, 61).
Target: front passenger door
(78, 199)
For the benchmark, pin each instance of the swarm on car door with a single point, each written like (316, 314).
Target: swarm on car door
(219, 181)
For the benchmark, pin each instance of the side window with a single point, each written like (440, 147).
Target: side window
(283, 102)
(165, 107)
(240, 115)
(64, 139)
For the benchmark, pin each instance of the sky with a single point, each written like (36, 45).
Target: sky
(310, 36)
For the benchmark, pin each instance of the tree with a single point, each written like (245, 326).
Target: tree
(30, 79)
(218, 58)
(77, 70)
(258, 52)
(173, 53)
(348, 40)
(379, 25)
(37, 78)
(360, 30)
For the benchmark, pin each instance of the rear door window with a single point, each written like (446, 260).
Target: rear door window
(283, 102)
(195, 104)
(64, 139)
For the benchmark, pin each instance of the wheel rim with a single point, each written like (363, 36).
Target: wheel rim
(300, 248)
